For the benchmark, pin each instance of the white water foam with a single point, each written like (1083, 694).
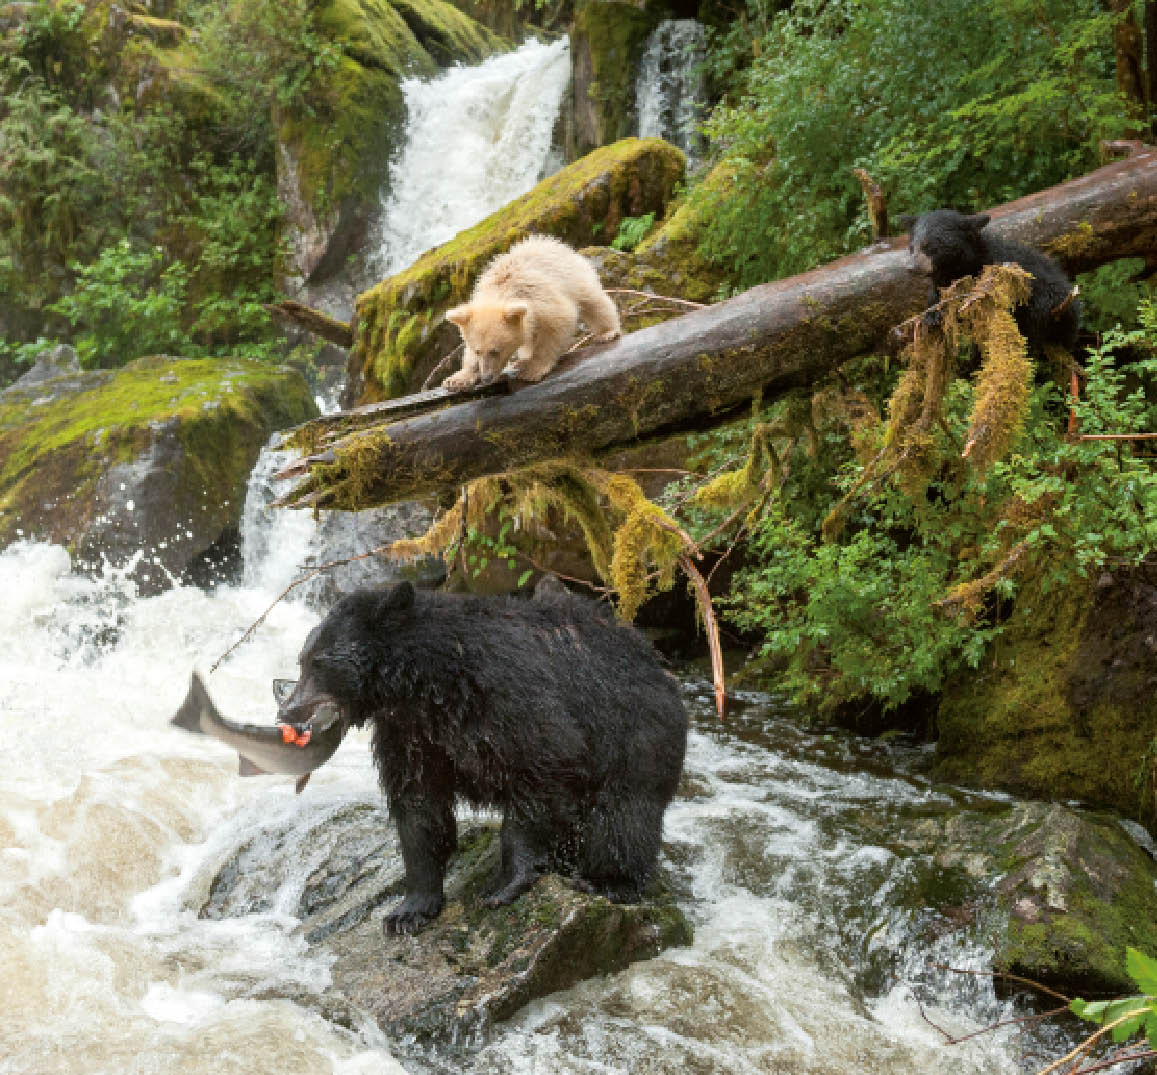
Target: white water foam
(476, 138)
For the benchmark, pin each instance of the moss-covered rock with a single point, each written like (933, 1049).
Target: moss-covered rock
(153, 457)
(473, 966)
(334, 151)
(1065, 706)
(400, 334)
(1073, 890)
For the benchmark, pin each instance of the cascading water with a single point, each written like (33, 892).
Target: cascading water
(669, 93)
(477, 138)
(113, 825)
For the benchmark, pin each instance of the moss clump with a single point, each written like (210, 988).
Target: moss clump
(396, 341)
(1063, 707)
(57, 439)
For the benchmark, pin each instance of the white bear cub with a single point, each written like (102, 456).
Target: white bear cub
(530, 301)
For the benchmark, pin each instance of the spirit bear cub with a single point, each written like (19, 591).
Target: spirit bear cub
(530, 301)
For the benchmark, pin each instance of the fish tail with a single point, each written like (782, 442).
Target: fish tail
(188, 716)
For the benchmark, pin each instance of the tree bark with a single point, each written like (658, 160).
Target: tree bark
(698, 369)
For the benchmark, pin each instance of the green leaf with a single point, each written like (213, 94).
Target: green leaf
(1142, 969)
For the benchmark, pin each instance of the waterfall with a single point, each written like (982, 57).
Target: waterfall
(669, 91)
(476, 139)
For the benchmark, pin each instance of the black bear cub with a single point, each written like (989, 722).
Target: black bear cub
(950, 245)
(547, 709)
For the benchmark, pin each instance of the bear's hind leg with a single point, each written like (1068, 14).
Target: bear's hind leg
(621, 846)
(428, 835)
(600, 315)
(524, 859)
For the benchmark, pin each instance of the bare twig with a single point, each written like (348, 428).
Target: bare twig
(1007, 977)
(443, 364)
(712, 628)
(657, 298)
(1117, 1058)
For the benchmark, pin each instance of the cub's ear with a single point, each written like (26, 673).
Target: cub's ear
(460, 315)
(515, 312)
(977, 221)
(400, 598)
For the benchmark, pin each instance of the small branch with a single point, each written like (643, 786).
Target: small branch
(1008, 977)
(877, 203)
(1118, 436)
(703, 598)
(442, 365)
(314, 321)
(657, 298)
(1118, 1058)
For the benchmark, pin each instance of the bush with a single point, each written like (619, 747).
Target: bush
(946, 102)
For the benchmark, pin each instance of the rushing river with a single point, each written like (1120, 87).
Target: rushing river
(808, 957)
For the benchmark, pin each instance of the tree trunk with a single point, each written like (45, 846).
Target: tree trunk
(705, 366)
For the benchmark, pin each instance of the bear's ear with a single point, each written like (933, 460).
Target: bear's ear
(400, 598)
(977, 221)
(460, 315)
(515, 312)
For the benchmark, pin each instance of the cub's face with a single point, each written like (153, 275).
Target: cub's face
(493, 333)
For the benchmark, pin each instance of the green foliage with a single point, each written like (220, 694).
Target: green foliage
(126, 304)
(632, 231)
(264, 55)
(1110, 294)
(946, 102)
(878, 614)
(1127, 1015)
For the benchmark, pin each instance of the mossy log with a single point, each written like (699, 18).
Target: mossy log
(705, 366)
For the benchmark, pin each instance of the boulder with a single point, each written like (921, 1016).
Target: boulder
(1073, 890)
(400, 334)
(143, 466)
(468, 969)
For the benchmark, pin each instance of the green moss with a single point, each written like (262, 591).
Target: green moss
(54, 452)
(1033, 717)
(629, 178)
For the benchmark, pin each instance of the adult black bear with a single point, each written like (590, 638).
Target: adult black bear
(950, 245)
(546, 708)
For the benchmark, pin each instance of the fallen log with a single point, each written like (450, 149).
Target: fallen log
(707, 365)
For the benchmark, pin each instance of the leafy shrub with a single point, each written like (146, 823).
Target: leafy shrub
(632, 231)
(946, 102)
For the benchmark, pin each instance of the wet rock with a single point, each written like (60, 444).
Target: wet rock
(145, 466)
(1074, 889)
(471, 967)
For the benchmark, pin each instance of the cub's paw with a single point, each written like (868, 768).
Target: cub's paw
(606, 337)
(456, 382)
(531, 373)
(412, 914)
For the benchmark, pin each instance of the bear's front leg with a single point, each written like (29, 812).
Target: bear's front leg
(467, 377)
(428, 835)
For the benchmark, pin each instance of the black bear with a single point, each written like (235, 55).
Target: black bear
(546, 709)
(950, 245)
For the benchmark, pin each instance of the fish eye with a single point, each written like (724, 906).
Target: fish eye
(283, 690)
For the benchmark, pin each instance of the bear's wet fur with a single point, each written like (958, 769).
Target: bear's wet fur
(949, 245)
(546, 709)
